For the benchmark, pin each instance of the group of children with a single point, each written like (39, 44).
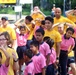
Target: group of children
(41, 48)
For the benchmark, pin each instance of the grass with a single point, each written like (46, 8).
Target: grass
(9, 10)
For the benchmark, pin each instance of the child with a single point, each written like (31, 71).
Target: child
(37, 27)
(50, 42)
(43, 46)
(29, 70)
(4, 67)
(21, 42)
(38, 59)
(66, 45)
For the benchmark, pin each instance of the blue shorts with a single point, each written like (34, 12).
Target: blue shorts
(20, 51)
(71, 60)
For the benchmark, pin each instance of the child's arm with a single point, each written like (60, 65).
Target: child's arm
(43, 71)
(7, 56)
(47, 59)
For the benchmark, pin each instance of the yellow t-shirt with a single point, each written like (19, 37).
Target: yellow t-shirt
(10, 51)
(38, 16)
(72, 18)
(71, 54)
(31, 31)
(10, 30)
(61, 20)
(53, 35)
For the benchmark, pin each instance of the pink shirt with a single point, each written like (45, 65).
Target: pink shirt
(21, 39)
(29, 70)
(44, 49)
(39, 62)
(66, 43)
(53, 56)
(3, 70)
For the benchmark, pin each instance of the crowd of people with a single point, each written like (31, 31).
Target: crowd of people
(45, 45)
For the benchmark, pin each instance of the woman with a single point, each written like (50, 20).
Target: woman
(13, 65)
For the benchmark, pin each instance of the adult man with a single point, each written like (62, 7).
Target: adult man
(60, 19)
(5, 27)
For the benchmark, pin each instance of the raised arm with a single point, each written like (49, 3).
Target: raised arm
(69, 12)
(7, 56)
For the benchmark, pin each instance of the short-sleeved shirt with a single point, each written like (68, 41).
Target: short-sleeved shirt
(52, 56)
(61, 20)
(3, 70)
(44, 49)
(29, 70)
(31, 31)
(66, 43)
(72, 18)
(21, 39)
(10, 30)
(38, 16)
(10, 51)
(53, 35)
(39, 62)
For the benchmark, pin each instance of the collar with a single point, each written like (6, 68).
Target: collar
(21, 34)
(38, 54)
(65, 37)
(28, 62)
(42, 42)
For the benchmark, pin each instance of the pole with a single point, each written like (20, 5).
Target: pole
(64, 8)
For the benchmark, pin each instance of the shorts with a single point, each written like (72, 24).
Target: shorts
(70, 60)
(20, 51)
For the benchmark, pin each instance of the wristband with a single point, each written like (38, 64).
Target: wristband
(57, 58)
(16, 60)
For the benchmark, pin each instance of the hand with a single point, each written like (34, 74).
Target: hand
(14, 56)
(57, 61)
(2, 47)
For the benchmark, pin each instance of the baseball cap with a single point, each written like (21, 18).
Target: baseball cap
(5, 18)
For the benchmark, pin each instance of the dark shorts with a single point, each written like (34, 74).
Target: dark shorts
(71, 60)
(50, 70)
(20, 51)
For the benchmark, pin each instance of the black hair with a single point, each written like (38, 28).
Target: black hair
(49, 18)
(71, 29)
(43, 22)
(29, 18)
(0, 54)
(28, 53)
(49, 41)
(45, 38)
(35, 43)
(40, 30)
(20, 27)
(75, 8)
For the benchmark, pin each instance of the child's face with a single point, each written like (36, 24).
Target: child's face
(25, 57)
(39, 36)
(43, 26)
(22, 31)
(69, 34)
(27, 21)
(33, 48)
(3, 40)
